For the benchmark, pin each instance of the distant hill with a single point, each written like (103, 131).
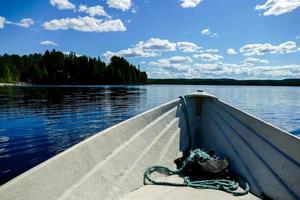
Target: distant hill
(284, 82)
(56, 67)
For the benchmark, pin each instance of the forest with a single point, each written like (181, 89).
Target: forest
(55, 67)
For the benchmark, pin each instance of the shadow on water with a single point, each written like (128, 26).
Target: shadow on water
(37, 123)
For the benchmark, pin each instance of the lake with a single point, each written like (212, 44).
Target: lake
(37, 123)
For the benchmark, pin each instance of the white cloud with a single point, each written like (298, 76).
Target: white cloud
(278, 7)
(208, 57)
(2, 22)
(230, 70)
(208, 32)
(189, 3)
(162, 69)
(175, 63)
(266, 48)
(158, 72)
(156, 44)
(212, 50)
(177, 60)
(201, 51)
(120, 4)
(48, 42)
(93, 10)
(256, 60)
(25, 23)
(130, 52)
(149, 48)
(231, 51)
(85, 24)
(188, 47)
(207, 67)
(63, 4)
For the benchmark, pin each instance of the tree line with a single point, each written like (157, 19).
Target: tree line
(284, 82)
(55, 67)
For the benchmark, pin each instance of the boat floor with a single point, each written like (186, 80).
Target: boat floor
(157, 192)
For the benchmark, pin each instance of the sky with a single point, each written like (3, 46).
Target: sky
(248, 39)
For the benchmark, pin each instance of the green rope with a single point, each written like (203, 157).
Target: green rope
(217, 184)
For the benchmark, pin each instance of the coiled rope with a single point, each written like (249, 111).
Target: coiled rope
(229, 186)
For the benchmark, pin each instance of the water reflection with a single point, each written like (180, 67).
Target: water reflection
(37, 123)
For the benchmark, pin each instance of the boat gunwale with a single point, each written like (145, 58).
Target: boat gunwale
(259, 119)
(236, 108)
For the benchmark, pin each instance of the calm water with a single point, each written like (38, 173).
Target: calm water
(37, 123)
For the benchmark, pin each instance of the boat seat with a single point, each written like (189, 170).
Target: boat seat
(158, 192)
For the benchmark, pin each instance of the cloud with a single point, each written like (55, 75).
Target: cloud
(278, 7)
(212, 50)
(25, 23)
(177, 60)
(120, 4)
(231, 51)
(149, 48)
(208, 57)
(175, 63)
(85, 24)
(208, 32)
(187, 47)
(63, 4)
(158, 72)
(2, 22)
(163, 68)
(230, 70)
(130, 52)
(208, 67)
(93, 10)
(189, 3)
(156, 44)
(266, 48)
(48, 42)
(256, 60)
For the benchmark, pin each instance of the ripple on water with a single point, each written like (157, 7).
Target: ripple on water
(4, 138)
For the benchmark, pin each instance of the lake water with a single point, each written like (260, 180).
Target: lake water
(39, 122)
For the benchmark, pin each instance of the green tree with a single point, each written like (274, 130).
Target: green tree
(54, 67)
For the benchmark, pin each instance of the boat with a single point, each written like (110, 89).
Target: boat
(111, 163)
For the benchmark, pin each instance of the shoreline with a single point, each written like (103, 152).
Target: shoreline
(20, 84)
(23, 84)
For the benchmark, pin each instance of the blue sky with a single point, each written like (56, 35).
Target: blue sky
(167, 38)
